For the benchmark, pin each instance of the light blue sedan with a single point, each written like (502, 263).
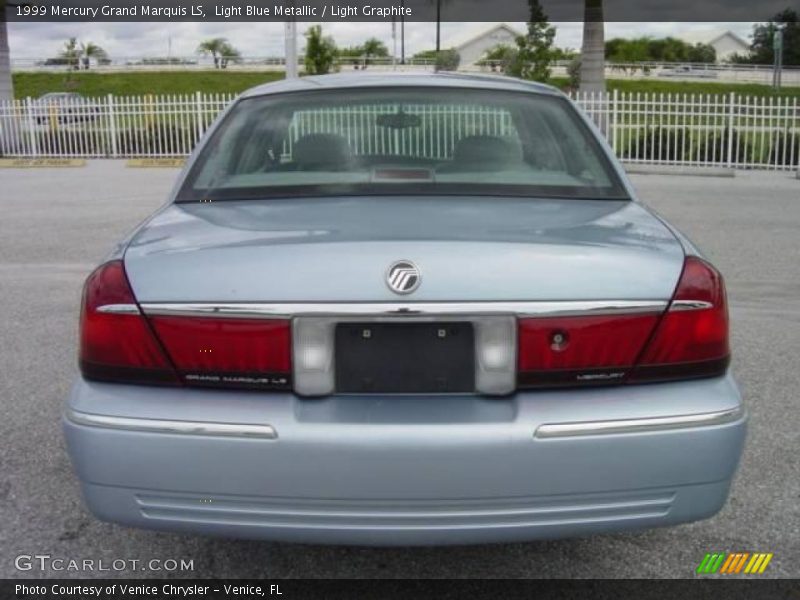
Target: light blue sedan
(404, 309)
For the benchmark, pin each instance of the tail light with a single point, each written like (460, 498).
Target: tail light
(581, 350)
(120, 344)
(229, 352)
(690, 340)
(116, 341)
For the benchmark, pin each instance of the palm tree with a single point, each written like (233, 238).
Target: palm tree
(215, 47)
(72, 53)
(6, 84)
(228, 54)
(593, 67)
(89, 51)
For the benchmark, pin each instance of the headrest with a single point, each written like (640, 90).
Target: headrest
(486, 148)
(322, 151)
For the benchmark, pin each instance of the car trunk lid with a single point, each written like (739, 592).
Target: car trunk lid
(467, 249)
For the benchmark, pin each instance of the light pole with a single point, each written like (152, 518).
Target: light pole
(777, 63)
(394, 43)
(438, 26)
(403, 33)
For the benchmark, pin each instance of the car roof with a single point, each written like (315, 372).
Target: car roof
(361, 79)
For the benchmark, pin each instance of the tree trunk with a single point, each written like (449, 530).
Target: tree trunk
(6, 85)
(593, 62)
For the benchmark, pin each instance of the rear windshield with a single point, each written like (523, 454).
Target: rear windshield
(401, 141)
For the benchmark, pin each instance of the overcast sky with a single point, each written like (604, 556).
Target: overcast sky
(42, 40)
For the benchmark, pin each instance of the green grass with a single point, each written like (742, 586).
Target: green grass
(688, 87)
(139, 83)
(189, 82)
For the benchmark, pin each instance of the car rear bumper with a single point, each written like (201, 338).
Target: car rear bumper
(405, 470)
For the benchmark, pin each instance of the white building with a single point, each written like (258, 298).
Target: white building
(725, 43)
(473, 44)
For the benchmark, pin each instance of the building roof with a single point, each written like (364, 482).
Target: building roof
(473, 34)
(710, 36)
(361, 79)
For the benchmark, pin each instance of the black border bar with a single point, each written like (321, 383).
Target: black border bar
(731, 588)
(384, 10)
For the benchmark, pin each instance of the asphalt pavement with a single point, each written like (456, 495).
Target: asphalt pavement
(56, 224)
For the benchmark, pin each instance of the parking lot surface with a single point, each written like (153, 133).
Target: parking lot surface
(56, 224)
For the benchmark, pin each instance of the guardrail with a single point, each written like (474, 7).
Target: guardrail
(671, 129)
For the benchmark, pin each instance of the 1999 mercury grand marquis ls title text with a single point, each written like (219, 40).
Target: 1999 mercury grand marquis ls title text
(404, 309)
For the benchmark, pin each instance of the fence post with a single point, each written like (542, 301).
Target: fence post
(112, 127)
(31, 127)
(613, 125)
(199, 112)
(731, 108)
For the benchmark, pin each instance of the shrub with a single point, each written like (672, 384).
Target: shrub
(321, 52)
(574, 73)
(662, 143)
(785, 150)
(167, 139)
(447, 60)
(714, 147)
(500, 57)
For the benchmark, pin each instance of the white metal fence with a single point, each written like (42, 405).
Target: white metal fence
(674, 129)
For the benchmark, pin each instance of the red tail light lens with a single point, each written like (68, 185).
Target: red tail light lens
(116, 343)
(249, 353)
(581, 350)
(692, 338)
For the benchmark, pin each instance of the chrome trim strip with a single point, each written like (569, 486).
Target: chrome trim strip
(119, 309)
(562, 430)
(266, 432)
(288, 310)
(679, 305)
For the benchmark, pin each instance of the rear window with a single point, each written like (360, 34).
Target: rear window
(402, 140)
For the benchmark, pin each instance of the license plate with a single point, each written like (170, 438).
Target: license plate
(405, 358)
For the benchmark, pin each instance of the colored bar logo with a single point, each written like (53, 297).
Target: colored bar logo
(734, 563)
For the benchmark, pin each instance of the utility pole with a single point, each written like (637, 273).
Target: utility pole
(291, 49)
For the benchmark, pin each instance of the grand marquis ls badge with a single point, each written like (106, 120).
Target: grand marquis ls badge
(403, 277)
